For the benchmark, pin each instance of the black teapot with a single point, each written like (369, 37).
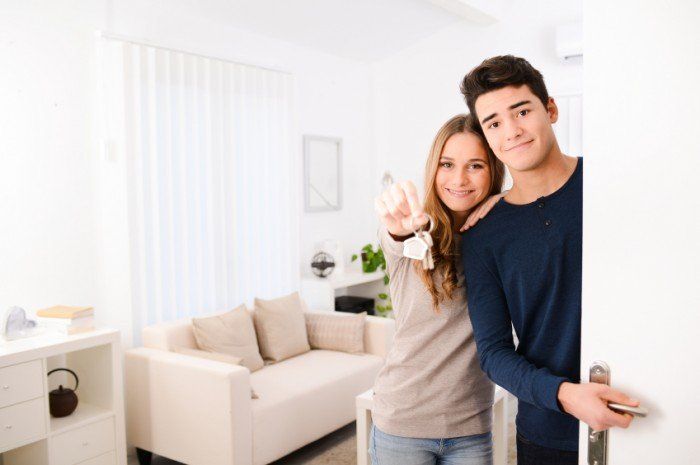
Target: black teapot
(63, 401)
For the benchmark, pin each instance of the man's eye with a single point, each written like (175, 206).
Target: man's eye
(494, 125)
(446, 164)
(523, 112)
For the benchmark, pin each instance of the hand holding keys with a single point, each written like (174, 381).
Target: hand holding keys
(402, 213)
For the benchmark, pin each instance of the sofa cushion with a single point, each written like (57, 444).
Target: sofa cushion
(305, 397)
(281, 328)
(216, 356)
(329, 330)
(230, 333)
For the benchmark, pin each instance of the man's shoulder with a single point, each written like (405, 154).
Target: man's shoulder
(490, 228)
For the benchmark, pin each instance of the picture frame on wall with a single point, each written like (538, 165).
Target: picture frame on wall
(323, 181)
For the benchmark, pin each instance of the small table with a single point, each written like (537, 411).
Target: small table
(363, 405)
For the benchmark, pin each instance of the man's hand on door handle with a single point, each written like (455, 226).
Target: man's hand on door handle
(589, 403)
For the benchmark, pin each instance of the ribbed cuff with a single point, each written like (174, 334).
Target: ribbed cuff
(390, 245)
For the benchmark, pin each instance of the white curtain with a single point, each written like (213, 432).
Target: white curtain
(211, 178)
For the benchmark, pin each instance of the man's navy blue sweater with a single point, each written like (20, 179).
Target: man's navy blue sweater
(522, 265)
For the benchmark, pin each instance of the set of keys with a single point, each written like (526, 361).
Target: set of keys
(419, 247)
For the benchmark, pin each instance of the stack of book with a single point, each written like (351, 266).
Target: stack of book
(66, 320)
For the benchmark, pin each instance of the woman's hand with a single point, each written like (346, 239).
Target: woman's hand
(482, 210)
(399, 209)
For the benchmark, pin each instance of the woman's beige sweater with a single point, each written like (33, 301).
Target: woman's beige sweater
(431, 385)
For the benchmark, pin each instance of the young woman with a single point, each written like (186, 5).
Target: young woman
(432, 402)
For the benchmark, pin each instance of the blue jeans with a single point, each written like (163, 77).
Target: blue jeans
(386, 449)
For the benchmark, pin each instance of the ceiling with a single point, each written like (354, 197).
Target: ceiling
(370, 30)
(365, 30)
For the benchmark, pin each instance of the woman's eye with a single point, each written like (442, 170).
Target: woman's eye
(475, 166)
(523, 112)
(446, 164)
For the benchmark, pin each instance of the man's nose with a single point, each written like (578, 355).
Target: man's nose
(512, 130)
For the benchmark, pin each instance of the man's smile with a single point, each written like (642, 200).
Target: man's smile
(520, 147)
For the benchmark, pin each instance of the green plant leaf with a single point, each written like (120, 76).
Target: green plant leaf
(354, 257)
(383, 296)
(386, 279)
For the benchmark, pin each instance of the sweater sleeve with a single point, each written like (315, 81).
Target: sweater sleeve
(393, 249)
(490, 317)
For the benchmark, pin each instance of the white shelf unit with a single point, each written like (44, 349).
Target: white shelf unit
(94, 433)
(320, 293)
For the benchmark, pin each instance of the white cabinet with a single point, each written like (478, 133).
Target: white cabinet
(21, 382)
(105, 459)
(94, 433)
(21, 422)
(80, 444)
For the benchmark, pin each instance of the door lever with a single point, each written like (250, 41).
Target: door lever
(636, 411)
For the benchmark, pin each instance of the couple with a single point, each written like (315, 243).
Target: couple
(520, 266)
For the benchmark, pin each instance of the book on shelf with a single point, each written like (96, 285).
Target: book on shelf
(69, 330)
(64, 311)
(81, 322)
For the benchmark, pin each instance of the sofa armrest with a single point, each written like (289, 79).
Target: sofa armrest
(189, 409)
(379, 334)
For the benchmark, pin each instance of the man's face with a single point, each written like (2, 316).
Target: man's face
(517, 126)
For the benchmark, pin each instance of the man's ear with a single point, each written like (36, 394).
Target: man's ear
(552, 110)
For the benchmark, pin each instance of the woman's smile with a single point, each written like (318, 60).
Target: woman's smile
(460, 193)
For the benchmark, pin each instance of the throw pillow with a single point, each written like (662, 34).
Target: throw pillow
(281, 328)
(344, 333)
(230, 333)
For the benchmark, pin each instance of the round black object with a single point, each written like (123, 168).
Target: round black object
(322, 264)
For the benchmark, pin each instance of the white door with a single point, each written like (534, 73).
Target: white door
(641, 237)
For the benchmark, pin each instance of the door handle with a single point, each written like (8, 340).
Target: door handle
(636, 411)
(598, 440)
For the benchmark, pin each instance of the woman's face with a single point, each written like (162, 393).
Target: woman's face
(463, 176)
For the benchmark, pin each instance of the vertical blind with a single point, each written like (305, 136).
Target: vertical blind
(210, 174)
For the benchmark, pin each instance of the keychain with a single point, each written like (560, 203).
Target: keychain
(419, 247)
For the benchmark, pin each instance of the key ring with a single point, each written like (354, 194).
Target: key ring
(430, 222)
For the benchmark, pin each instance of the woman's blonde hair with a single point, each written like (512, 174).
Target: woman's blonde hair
(443, 235)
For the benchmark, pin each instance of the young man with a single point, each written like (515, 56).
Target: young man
(522, 265)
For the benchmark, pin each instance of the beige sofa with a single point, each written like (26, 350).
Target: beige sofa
(199, 411)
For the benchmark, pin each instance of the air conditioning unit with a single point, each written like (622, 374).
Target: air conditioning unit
(569, 41)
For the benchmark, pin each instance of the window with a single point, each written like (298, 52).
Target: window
(211, 179)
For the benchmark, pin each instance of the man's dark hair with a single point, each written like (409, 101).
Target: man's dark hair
(502, 71)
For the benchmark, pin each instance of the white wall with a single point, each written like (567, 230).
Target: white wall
(64, 237)
(417, 90)
(59, 244)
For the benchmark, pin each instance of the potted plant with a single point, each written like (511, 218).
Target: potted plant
(372, 260)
